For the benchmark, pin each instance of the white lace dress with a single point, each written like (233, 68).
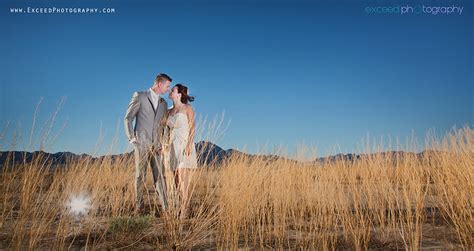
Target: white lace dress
(179, 133)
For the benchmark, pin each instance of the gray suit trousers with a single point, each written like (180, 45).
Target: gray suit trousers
(143, 159)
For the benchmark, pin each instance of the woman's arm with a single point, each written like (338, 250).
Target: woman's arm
(192, 126)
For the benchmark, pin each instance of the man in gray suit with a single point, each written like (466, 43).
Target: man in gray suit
(148, 108)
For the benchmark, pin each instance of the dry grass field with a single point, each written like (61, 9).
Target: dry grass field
(379, 201)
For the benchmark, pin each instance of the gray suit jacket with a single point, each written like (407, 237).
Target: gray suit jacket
(148, 129)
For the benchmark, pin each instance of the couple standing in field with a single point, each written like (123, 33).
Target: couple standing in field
(162, 138)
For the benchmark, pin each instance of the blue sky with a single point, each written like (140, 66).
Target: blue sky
(325, 73)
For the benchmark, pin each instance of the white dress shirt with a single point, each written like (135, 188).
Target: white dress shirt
(154, 98)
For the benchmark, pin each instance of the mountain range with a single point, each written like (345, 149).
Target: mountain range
(208, 153)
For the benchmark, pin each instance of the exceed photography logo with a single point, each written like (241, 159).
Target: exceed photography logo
(61, 10)
(415, 10)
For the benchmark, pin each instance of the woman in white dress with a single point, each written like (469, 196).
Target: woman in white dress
(182, 152)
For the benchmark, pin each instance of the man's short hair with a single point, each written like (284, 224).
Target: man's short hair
(161, 77)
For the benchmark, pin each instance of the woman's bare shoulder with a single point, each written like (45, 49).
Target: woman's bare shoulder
(188, 108)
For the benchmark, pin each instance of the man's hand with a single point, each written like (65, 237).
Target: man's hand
(134, 142)
(188, 150)
(159, 150)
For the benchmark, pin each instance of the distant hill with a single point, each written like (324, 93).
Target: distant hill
(353, 157)
(208, 153)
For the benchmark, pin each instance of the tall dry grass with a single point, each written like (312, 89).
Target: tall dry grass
(379, 200)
